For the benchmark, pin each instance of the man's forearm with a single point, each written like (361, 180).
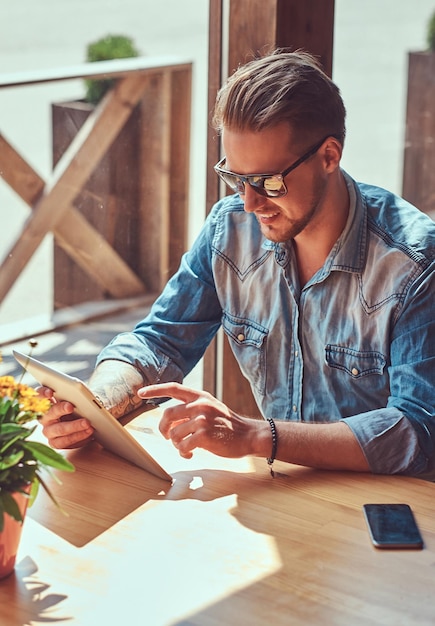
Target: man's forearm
(324, 446)
(116, 383)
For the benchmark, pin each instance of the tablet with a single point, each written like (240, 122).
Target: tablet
(108, 431)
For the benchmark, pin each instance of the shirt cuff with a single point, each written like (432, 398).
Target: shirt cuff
(388, 441)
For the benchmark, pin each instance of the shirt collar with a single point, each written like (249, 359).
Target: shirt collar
(349, 251)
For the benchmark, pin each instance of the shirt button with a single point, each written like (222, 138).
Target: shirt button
(296, 353)
(241, 337)
(355, 372)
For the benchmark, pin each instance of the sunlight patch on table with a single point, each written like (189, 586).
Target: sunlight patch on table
(241, 557)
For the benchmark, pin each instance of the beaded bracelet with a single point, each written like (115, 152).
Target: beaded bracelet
(271, 459)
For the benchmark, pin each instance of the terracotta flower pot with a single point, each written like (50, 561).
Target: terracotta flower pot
(10, 537)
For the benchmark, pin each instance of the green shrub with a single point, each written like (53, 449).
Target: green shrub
(431, 33)
(105, 49)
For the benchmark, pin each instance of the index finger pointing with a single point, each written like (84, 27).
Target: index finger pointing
(171, 390)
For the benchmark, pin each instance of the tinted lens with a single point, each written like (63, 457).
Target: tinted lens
(274, 186)
(271, 186)
(232, 181)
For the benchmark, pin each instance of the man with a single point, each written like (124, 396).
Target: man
(324, 287)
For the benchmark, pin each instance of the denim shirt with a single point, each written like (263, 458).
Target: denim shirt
(356, 343)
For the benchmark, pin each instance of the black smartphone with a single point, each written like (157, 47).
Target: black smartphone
(392, 526)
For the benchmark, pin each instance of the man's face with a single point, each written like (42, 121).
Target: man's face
(270, 151)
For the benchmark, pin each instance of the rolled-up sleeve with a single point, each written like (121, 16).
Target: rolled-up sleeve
(401, 437)
(168, 343)
(388, 441)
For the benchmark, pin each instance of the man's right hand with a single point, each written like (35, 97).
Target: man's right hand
(61, 426)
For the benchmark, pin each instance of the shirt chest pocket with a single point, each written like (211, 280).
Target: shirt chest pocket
(248, 343)
(356, 363)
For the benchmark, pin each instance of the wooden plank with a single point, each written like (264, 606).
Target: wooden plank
(99, 69)
(154, 177)
(76, 236)
(97, 258)
(108, 201)
(419, 156)
(79, 161)
(179, 183)
(215, 49)
(308, 25)
(259, 25)
(252, 30)
(18, 174)
(210, 371)
(163, 176)
(163, 172)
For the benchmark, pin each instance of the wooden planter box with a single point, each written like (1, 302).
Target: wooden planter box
(419, 157)
(109, 201)
(137, 197)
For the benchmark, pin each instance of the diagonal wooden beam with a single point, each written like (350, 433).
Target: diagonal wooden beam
(74, 233)
(71, 173)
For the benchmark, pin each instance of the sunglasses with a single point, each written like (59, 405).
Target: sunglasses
(269, 185)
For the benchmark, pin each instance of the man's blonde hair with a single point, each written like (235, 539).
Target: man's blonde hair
(281, 87)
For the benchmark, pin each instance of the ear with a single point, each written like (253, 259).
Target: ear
(332, 151)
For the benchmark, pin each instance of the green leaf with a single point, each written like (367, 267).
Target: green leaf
(5, 407)
(34, 490)
(9, 506)
(10, 410)
(51, 496)
(47, 456)
(11, 460)
(6, 429)
(22, 435)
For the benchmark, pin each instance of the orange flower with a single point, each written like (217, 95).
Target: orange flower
(30, 404)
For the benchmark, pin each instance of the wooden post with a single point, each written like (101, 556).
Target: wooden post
(210, 368)
(258, 25)
(255, 26)
(419, 157)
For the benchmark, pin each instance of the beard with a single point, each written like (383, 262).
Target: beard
(288, 229)
(285, 228)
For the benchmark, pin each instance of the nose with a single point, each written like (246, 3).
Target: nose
(252, 200)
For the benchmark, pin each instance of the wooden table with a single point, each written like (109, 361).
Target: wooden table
(224, 545)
